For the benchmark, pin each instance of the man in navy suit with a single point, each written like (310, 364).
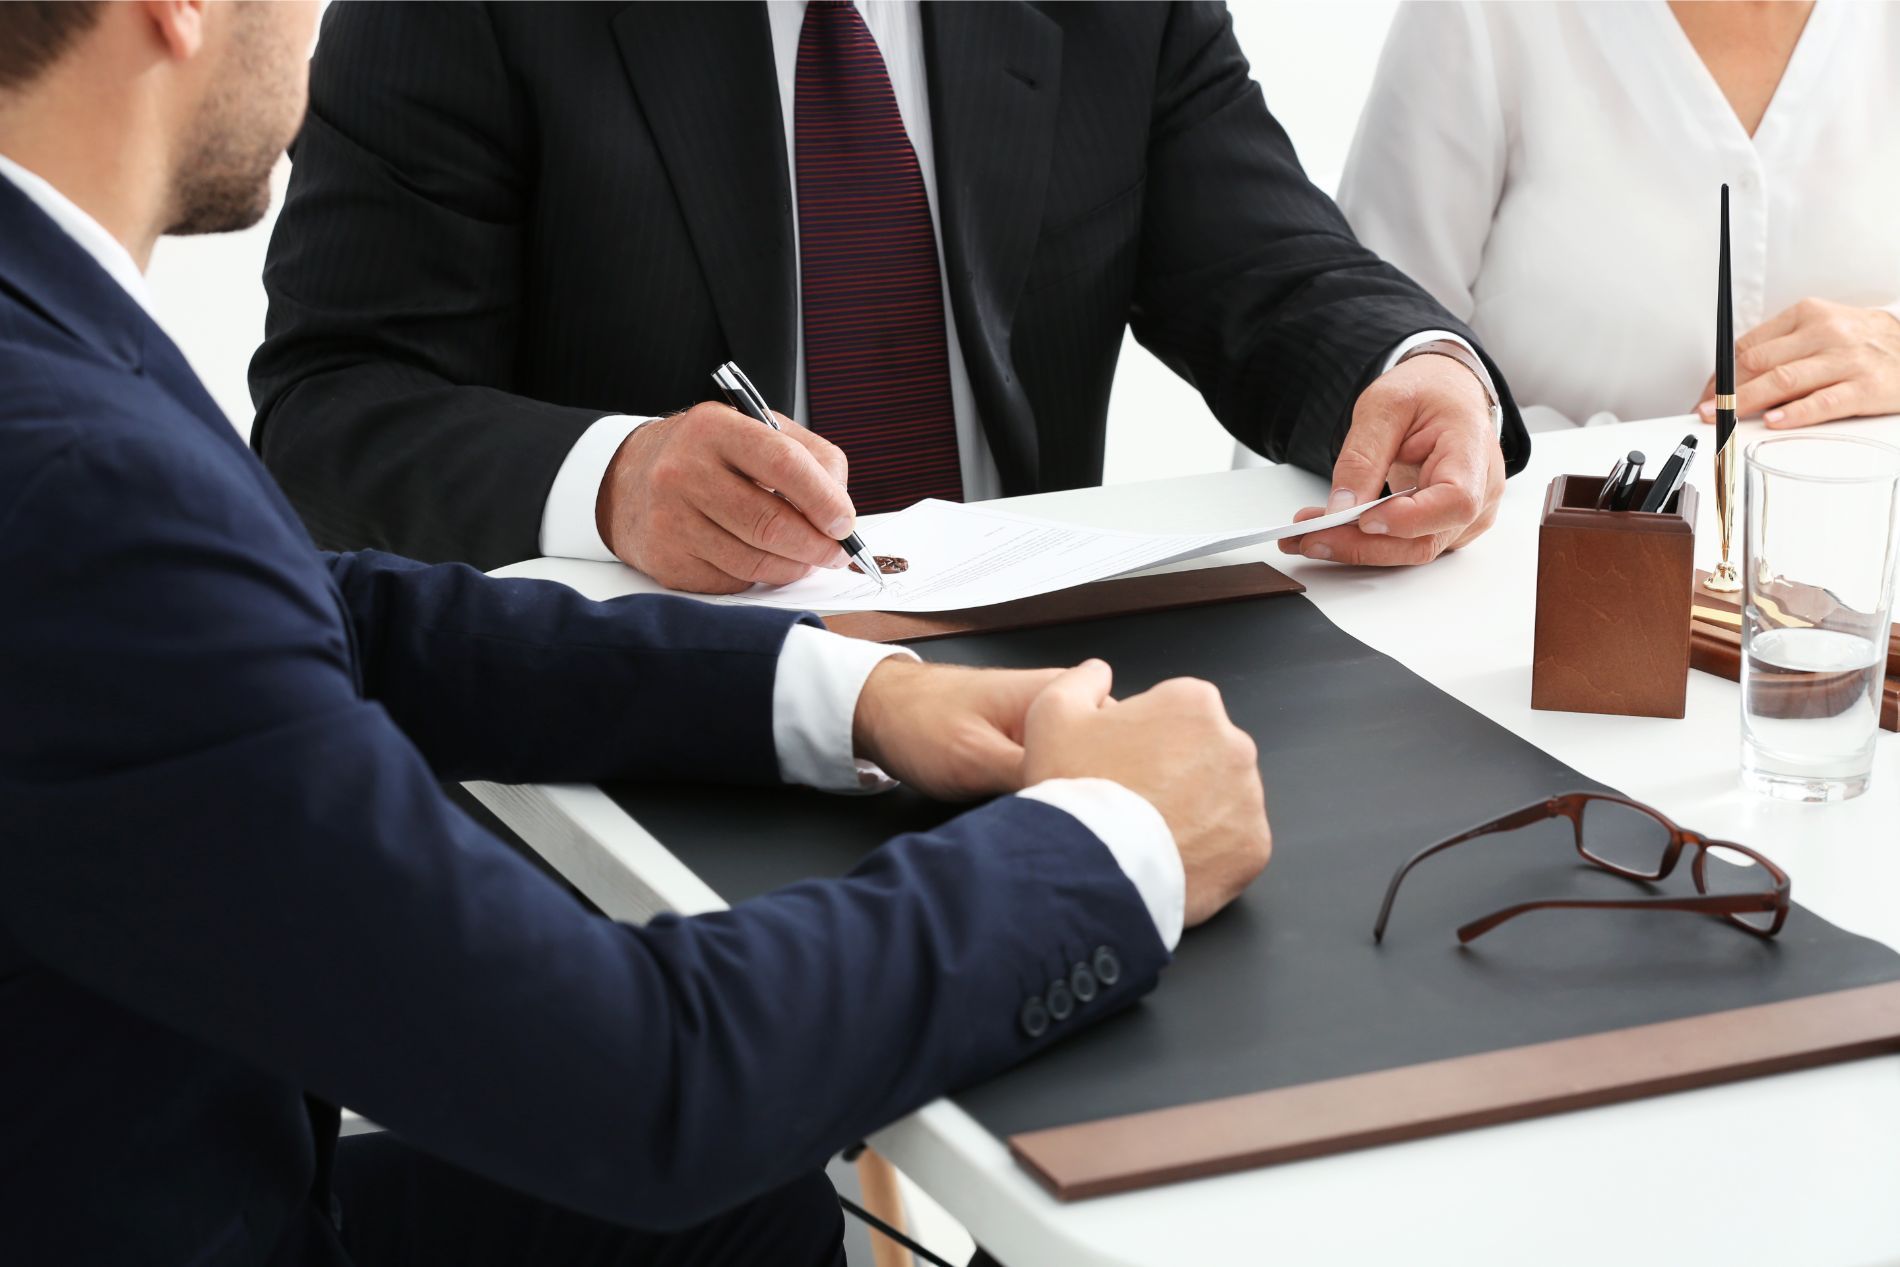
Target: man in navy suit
(232, 895)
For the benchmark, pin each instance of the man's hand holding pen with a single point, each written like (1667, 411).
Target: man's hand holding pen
(686, 501)
(1424, 422)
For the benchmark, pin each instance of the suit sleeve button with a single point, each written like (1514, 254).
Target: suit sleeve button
(1082, 983)
(1108, 968)
(1034, 1017)
(1059, 1001)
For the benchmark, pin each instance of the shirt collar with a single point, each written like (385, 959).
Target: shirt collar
(82, 228)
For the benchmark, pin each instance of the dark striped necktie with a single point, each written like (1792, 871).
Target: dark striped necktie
(876, 365)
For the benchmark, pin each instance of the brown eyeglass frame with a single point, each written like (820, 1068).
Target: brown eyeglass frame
(1725, 906)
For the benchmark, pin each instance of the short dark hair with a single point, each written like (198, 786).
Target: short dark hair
(33, 34)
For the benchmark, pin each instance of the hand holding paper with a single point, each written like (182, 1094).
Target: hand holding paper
(1426, 422)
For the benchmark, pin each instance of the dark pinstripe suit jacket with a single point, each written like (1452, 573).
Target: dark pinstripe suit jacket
(507, 220)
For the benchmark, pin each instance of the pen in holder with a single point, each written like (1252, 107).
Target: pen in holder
(1613, 599)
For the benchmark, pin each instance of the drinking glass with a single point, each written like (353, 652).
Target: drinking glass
(1822, 518)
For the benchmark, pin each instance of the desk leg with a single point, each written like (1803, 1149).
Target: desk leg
(877, 1180)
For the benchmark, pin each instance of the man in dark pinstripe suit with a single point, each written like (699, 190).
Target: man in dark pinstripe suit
(518, 238)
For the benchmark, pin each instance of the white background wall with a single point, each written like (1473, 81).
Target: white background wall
(1314, 58)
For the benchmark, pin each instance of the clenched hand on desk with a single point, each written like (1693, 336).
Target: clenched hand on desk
(959, 733)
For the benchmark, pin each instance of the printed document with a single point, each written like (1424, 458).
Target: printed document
(955, 556)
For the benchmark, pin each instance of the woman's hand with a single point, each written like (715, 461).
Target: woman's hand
(1815, 362)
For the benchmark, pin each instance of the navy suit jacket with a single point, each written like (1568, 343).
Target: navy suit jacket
(232, 894)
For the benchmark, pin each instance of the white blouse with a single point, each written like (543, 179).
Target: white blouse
(1551, 172)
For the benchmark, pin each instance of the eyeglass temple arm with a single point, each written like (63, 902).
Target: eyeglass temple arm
(1702, 904)
(1509, 822)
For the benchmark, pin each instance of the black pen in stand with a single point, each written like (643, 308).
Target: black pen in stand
(744, 397)
(1724, 579)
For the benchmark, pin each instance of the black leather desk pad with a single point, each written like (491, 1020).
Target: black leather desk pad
(1364, 763)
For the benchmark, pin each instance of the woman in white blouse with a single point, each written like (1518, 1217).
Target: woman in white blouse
(1551, 173)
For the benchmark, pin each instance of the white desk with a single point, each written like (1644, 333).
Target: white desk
(1801, 1169)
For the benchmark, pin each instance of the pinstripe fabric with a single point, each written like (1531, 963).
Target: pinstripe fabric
(875, 353)
(506, 220)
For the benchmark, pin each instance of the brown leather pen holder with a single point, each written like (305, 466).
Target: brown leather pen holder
(1613, 598)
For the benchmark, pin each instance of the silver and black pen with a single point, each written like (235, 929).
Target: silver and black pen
(744, 397)
(1670, 479)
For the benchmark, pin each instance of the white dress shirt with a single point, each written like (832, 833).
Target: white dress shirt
(568, 527)
(1551, 173)
(81, 228)
(818, 679)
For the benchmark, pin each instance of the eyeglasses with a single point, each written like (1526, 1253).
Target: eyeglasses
(1732, 881)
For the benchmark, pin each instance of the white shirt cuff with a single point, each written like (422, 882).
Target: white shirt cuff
(569, 529)
(814, 699)
(1137, 837)
(1445, 343)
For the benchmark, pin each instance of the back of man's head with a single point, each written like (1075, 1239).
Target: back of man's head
(33, 33)
(155, 116)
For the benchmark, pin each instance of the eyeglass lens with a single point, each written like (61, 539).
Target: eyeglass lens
(1635, 842)
(1624, 837)
(1722, 870)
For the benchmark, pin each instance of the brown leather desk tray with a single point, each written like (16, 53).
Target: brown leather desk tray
(1121, 597)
